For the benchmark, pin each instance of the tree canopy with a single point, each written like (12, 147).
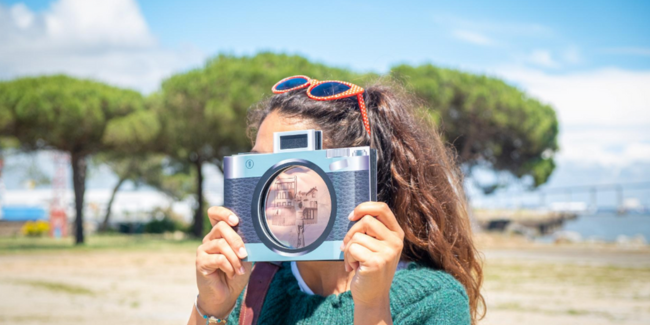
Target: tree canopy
(200, 116)
(489, 122)
(72, 115)
(203, 112)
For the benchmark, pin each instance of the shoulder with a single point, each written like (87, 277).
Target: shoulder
(424, 295)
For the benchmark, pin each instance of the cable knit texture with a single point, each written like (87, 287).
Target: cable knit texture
(418, 295)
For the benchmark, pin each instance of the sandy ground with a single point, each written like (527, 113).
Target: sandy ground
(524, 284)
(131, 287)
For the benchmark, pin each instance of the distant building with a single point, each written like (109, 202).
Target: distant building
(309, 205)
(287, 205)
(282, 194)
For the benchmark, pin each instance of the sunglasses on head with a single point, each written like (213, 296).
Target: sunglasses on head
(324, 90)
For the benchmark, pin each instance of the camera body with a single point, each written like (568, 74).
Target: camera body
(293, 204)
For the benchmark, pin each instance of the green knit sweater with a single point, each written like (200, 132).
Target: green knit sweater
(418, 295)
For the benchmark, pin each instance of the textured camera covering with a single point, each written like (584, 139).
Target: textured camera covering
(351, 188)
(238, 195)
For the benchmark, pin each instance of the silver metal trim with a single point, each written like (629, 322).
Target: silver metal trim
(338, 165)
(338, 152)
(255, 165)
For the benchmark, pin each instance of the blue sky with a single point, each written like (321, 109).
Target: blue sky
(374, 35)
(589, 59)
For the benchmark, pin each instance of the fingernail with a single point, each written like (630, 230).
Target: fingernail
(242, 252)
(347, 268)
(241, 270)
(351, 215)
(342, 246)
(233, 219)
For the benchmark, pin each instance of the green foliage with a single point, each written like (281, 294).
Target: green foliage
(200, 115)
(154, 170)
(203, 111)
(149, 169)
(8, 143)
(163, 225)
(164, 220)
(132, 133)
(71, 115)
(61, 112)
(489, 122)
(207, 226)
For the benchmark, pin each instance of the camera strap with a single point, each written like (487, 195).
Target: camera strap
(258, 284)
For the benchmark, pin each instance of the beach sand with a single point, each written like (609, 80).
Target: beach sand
(528, 283)
(525, 283)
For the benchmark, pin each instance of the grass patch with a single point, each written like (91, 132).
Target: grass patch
(608, 278)
(13, 245)
(577, 312)
(57, 287)
(511, 306)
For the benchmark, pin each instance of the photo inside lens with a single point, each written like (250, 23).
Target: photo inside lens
(329, 89)
(291, 83)
(297, 207)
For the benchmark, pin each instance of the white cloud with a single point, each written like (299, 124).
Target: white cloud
(542, 58)
(108, 40)
(22, 16)
(472, 37)
(605, 146)
(604, 114)
(604, 97)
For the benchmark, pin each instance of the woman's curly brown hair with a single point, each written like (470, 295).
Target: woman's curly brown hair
(417, 174)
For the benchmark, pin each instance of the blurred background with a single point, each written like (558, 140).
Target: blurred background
(115, 116)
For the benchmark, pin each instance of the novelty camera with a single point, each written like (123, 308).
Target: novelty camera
(293, 204)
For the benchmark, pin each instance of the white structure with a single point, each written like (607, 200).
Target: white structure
(129, 206)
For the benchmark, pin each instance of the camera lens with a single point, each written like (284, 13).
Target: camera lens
(297, 207)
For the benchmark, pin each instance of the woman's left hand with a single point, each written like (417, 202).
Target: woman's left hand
(372, 247)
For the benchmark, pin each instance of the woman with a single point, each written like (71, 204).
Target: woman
(409, 259)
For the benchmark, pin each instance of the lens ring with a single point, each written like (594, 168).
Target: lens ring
(258, 214)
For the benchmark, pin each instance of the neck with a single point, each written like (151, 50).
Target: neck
(325, 278)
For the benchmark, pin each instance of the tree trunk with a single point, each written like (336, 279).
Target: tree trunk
(109, 206)
(79, 167)
(197, 227)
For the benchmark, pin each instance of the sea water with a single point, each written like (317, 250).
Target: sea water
(609, 226)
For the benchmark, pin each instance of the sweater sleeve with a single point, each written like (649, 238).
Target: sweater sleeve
(443, 307)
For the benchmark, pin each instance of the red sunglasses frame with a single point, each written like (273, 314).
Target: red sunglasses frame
(311, 83)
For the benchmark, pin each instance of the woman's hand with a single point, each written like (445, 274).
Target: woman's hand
(372, 248)
(220, 274)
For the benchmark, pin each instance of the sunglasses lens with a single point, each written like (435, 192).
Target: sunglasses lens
(291, 83)
(329, 89)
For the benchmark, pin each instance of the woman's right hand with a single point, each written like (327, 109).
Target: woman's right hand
(220, 274)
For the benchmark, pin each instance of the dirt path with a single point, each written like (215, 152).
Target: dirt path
(523, 285)
(567, 285)
(97, 288)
